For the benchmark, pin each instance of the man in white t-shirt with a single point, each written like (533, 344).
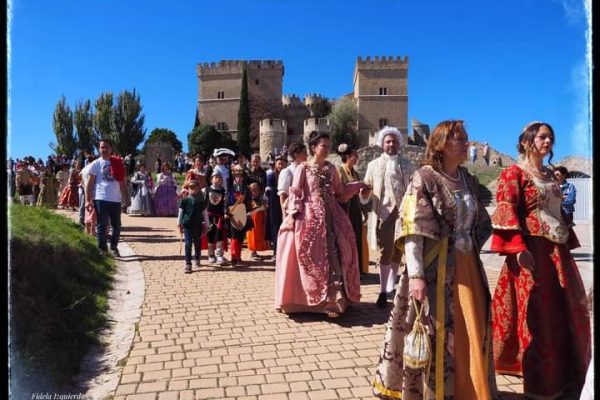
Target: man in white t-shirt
(107, 185)
(298, 154)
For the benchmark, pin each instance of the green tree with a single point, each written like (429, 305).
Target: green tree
(343, 122)
(321, 108)
(84, 125)
(204, 138)
(128, 122)
(164, 135)
(62, 123)
(243, 124)
(103, 117)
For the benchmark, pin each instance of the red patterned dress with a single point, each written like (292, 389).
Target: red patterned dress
(540, 320)
(70, 195)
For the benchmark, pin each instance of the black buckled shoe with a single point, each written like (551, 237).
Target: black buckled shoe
(381, 300)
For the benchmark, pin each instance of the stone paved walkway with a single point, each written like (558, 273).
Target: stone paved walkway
(214, 333)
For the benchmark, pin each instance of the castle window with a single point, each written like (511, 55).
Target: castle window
(383, 91)
(256, 81)
(221, 126)
(220, 95)
(382, 122)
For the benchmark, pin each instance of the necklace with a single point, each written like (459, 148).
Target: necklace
(451, 178)
(534, 171)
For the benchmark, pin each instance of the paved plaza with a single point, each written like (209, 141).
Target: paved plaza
(214, 333)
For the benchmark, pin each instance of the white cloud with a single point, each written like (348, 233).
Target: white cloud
(581, 85)
(575, 10)
(581, 138)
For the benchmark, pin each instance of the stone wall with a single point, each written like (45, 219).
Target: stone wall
(164, 150)
(273, 134)
(315, 124)
(370, 76)
(369, 153)
(295, 113)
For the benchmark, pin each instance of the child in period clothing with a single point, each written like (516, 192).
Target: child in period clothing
(238, 195)
(257, 213)
(215, 209)
(192, 215)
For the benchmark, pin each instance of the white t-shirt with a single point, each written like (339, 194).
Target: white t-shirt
(85, 177)
(106, 187)
(285, 179)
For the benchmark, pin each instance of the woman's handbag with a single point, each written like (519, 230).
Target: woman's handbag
(417, 345)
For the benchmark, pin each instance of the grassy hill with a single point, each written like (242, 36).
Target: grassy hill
(57, 294)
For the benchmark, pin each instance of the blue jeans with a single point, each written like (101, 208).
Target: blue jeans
(104, 211)
(192, 237)
(81, 207)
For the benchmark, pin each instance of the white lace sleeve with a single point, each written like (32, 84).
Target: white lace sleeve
(413, 247)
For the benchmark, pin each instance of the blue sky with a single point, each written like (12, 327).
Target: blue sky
(496, 64)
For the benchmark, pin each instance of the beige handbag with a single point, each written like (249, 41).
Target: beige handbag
(417, 344)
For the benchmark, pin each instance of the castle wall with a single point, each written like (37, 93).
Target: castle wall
(371, 75)
(372, 109)
(295, 117)
(315, 124)
(366, 154)
(226, 77)
(272, 136)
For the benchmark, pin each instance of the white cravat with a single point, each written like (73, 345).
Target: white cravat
(389, 199)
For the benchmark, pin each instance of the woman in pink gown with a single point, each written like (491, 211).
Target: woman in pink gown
(317, 259)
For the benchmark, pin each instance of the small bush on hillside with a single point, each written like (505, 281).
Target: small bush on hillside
(58, 288)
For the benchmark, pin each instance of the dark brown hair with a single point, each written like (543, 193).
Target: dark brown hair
(314, 138)
(296, 148)
(527, 137)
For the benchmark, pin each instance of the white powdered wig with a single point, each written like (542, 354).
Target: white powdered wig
(389, 130)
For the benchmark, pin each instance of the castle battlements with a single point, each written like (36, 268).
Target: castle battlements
(382, 62)
(291, 101)
(225, 67)
(312, 98)
(316, 122)
(272, 123)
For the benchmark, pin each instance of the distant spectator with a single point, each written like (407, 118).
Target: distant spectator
(473, 153)
(24, 181)
(486, 153)
(10, 173)
(568, 193)
(180, 160)
(158, 165)
(256, 173)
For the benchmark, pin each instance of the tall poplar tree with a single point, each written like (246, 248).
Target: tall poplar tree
(62, 124)
(128, 122)
(84, 125)
(243, 125)
(103, 126)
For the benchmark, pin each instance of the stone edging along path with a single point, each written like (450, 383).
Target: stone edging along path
(101, 367)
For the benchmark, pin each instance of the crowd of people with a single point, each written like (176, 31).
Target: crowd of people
(320, 222)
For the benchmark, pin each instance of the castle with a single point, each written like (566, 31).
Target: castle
(380, 93)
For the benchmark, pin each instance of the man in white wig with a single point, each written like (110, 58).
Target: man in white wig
(388, 177)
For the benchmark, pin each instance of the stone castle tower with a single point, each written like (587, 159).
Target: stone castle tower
(380, 90)
(220, 85)
(273, 135)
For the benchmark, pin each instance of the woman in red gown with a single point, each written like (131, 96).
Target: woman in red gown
(540, 320)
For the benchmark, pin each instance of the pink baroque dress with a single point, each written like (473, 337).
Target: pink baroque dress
(317, 259)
